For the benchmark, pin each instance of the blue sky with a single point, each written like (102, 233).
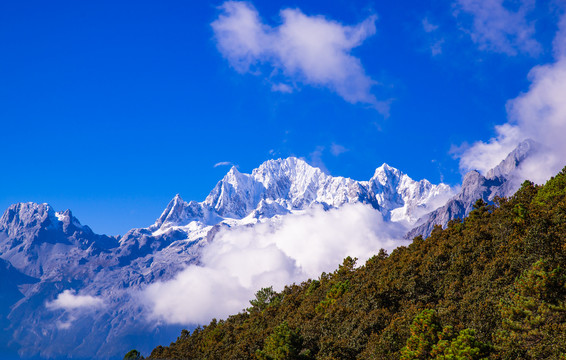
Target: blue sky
(110, 108)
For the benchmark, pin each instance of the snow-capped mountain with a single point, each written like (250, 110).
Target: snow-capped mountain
(284, 186)
(54, 254)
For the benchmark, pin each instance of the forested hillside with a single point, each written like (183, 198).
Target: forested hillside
(491, 286)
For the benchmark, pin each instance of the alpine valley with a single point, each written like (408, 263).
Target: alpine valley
(68, 292)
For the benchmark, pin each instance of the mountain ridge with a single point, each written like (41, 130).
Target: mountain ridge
(500, 181)
(60, 253)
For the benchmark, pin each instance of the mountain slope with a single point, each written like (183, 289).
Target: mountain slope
(70, 265)
(503, 180)
(495, 281)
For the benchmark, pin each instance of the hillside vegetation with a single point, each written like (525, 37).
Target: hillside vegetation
(491, 286)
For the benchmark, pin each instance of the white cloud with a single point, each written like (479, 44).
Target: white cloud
(67, 300)
(434, 40)
(222, 163)
(315, 159)
(337, 149)
(65, 324)
(305, 49)
(436, 47)
(292, 249)
(281, 87)
(428, 26)
(483, 156)
(495, 27)
(539, 114)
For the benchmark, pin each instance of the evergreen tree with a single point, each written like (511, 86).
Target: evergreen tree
(133, 355)
(534, 315)
(283, 344)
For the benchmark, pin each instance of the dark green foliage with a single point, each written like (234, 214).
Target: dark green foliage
(332, 295)
(133, 355)
(429, 340)
(534, 316)
(263, 298)
(465, 346)
(497, 277)
(425, 334)
(283, 344)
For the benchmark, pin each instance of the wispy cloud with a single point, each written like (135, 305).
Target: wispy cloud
(281, 87)
(539, 114)
(434, 39)
(223, 163)
(241, 261)
(337, 149)
(428, 26)
(311, 50)
(493, 26)
(315, 159)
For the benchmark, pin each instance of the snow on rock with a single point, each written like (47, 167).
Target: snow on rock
(56, 254)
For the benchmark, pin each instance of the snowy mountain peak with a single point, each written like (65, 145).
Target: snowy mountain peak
(292, 169)
(282, 186)
(386, 174)
(178, 212)
(67, 219)
(404, 199)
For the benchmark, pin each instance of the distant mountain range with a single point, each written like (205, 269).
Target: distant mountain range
(44, 253)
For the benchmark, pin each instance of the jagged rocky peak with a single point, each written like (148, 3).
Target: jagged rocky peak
(68, 221)
(292, 168)
(386, 174)
(180, 212)
(502, 180)
(174, 210)
(290, 179)
(233, 196)
(512, 161)
(397, 191)
(291, 182)
(295, 184)
(281, 186)
(27, 215)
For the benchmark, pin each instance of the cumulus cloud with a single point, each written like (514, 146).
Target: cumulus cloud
(311, 50)
(68, 300)
(483, 156)
(539, 114)
(277, 253)
(495, 27)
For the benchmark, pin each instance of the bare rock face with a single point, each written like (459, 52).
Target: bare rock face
(501, 181)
